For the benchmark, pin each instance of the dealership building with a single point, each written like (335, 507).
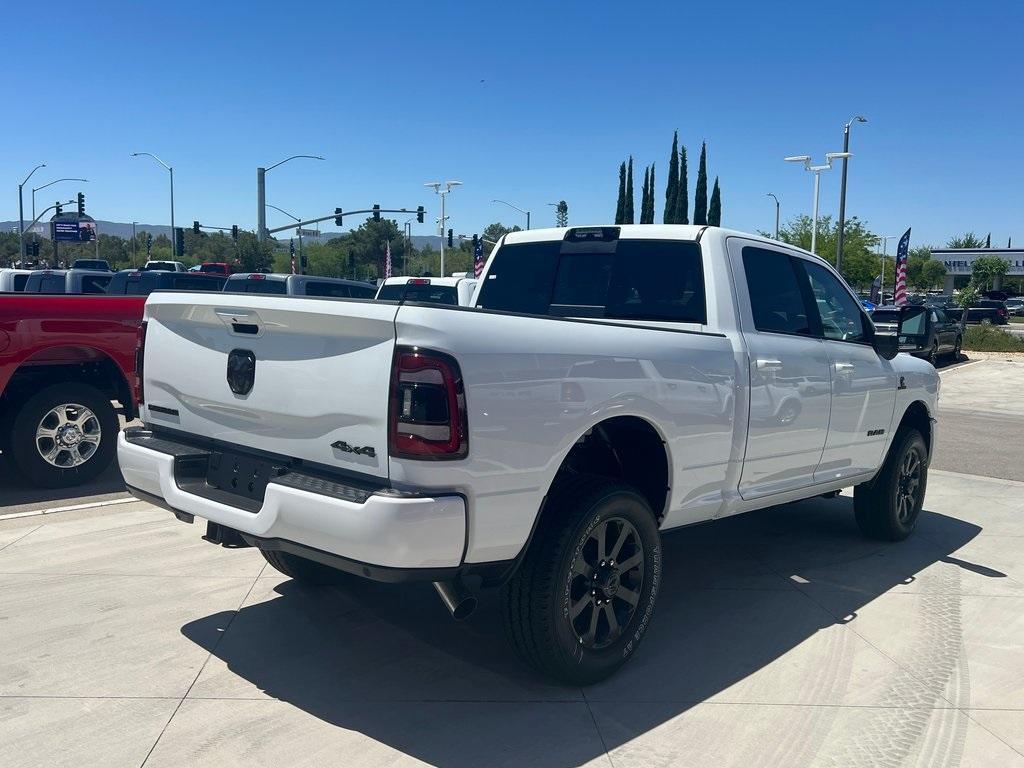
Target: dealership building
(958, 263)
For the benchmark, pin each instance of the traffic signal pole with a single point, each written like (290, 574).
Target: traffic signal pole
(338, 216)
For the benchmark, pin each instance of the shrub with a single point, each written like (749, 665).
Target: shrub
(989, 338)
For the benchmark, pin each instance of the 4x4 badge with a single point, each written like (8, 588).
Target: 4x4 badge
(366, 450)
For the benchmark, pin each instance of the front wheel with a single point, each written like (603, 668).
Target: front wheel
(887, 508)
(64, 435)
(933, 353)
(581, 601)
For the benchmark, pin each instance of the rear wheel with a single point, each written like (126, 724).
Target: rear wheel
(582, 599)
(956, 348)
(933, 353)
(302, 569)
(887, 508)
(64, 435)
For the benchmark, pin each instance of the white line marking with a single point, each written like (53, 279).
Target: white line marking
(72, 508)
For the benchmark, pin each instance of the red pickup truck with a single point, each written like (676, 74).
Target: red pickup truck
(63, 359)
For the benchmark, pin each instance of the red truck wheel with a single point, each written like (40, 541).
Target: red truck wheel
(64, 435)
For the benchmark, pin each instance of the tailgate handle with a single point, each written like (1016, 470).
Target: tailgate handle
(249, 328)
(241, 321)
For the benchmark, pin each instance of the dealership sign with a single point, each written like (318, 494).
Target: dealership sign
(958, 261)
(71, 228)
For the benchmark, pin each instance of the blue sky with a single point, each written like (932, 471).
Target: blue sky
(522, 101)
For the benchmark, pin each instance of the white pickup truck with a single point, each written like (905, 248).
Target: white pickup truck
(608, 384)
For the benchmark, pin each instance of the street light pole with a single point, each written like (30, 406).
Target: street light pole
(36, 189)
(261, 194)
(170, 170)
(816, 170)
(134, 242)
(841, 235)
(516, 207)
(436, 186)
(21, 213)
(773, 197)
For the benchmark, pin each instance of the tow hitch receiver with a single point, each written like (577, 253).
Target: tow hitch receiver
(224, 536)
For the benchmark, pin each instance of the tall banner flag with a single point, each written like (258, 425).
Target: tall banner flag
(291, 252)
(387, 260)
(478, 258)
(899, 295)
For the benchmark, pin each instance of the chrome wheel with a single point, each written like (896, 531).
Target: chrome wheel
(907, 485)
(605, 584)
(68, 435)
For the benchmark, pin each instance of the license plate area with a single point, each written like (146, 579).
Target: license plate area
(241, 475)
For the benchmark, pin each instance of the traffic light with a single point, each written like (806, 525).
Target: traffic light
(337, 217)
(35, 249)
(81, 204)
(376, 211)
(304, 261)
(179, 242)
(234, 232)
(195, 227)
(476, 240)
(419, 214)
(451, 239)
(59, 209)
(149, 245)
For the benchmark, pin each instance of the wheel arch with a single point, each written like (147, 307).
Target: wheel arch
(917, 416)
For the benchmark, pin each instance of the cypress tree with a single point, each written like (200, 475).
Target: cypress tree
(682, 198)
(650, 198)
(620, 207)
(700, 202)
(673, 181)
(628, 211)
(715, 206)
(643, 196)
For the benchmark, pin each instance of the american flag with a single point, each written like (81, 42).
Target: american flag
(899, 295)
(387, 260)
(291, 250)
(478, 258)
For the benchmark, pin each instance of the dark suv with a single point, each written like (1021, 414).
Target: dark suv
(135, 282)
(925, 332)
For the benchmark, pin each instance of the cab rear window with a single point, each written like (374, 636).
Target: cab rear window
(432, 294)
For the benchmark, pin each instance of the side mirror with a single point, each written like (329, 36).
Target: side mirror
(887, 345)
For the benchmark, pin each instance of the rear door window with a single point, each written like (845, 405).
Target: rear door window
(639, 280)
(19, 282)
(334, 290)
(95, 283)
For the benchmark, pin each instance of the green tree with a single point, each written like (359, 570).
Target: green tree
(682, 215)
(715, 206)
(650, 198)
(644, 195)
(966, 240)
(933, 273)
(497, 230)
(987, 269)
(627, 214)
(671, 190)
(700, 203)
(620, 205)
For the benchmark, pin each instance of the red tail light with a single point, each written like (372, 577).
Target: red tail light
(427, 417)
(140, 353)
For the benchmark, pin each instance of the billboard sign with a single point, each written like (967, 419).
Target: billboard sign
(70, 229)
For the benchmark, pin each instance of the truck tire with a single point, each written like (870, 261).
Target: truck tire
(572, 611)
(887, 507)
(64, 435)
(303, 569)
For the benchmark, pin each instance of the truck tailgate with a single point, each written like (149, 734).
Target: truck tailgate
(320, 372)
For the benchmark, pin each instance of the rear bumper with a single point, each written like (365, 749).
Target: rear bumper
(379, 534)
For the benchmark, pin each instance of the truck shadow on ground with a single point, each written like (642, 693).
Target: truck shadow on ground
(738, 596)
(15, 489)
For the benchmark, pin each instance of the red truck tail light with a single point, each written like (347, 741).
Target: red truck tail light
(427, 418)
(140, 354)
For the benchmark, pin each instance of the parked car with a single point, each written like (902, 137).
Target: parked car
(67, 281)
(433, 290)
(1015, 306)
(416, 441)
(925, 332)
(12, 280)
(983, 311)
(134, 282)
(297, 285)
(101, 264)
(165, 266)
(63, 359)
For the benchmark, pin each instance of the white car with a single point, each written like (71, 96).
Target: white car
(608, 384)
(457, 289)
(166, 266)
(13, 279)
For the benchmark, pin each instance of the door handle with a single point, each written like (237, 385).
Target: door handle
(845, 368)
(768, 365)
